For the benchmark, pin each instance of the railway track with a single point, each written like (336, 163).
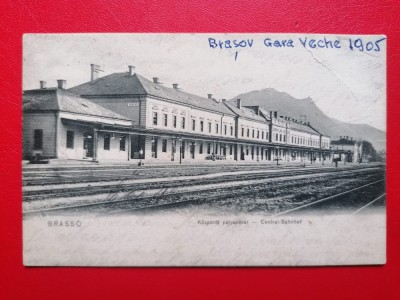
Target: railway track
(170, 199)
(165, 183)
(335, 197)
(33, 178)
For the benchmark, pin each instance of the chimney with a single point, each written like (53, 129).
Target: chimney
(209, 96)
(62, 84)
(94, 72)
(42, 84)
(239, 103)
(155, 80)
(175, 86)
(131, 70)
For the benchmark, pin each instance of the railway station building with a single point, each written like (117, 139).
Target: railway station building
(127, 117)
(348, 149)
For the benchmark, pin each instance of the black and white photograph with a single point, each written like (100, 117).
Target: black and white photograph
(204, 149)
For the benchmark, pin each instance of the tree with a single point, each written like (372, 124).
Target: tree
(369, 152)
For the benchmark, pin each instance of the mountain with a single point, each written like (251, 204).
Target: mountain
(306, 110)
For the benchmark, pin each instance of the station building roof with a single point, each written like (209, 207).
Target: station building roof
(245, 113)
(303, 127)
(345, 141)
(54, 99)
(126, 84)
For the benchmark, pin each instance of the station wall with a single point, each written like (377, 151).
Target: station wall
(44, 122)
(168, 116)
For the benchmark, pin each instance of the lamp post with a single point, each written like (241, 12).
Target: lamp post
(306, 153)
(180, 150)
(140, 157)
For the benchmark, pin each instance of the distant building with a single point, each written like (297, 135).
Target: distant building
(349, 150)
(124, 116)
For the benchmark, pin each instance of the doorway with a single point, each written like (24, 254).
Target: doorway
(192, 150)
(88, 144)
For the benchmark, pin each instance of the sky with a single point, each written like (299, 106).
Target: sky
(346, 84)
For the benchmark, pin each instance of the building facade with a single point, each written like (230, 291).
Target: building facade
(126, 117)
(348, 150)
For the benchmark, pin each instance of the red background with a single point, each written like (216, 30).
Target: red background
(306, 16)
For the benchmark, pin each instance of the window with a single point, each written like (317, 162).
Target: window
(258, 134)
(174, 121)
(38, 139)
(284, 138)
(70, 139)
(231, 130)
(266, 135)
(155, 117)
(242, 131)
(201, 126)
(216, 128)
(262, 135)
(248, 132)
(252, 134)
(164, 146)
(122, 139)
(183, 122)
(201, 148)
(106, 141)
(230, 149)
(276, 137)
(292, 140)
(209, 148)
(193, 125)
(280, 137)
(225, 129)
(165, 120)
(209, 127)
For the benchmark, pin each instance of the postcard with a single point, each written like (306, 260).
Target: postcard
(204, 149)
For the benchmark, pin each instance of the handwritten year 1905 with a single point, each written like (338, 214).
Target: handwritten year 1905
(363, 44)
